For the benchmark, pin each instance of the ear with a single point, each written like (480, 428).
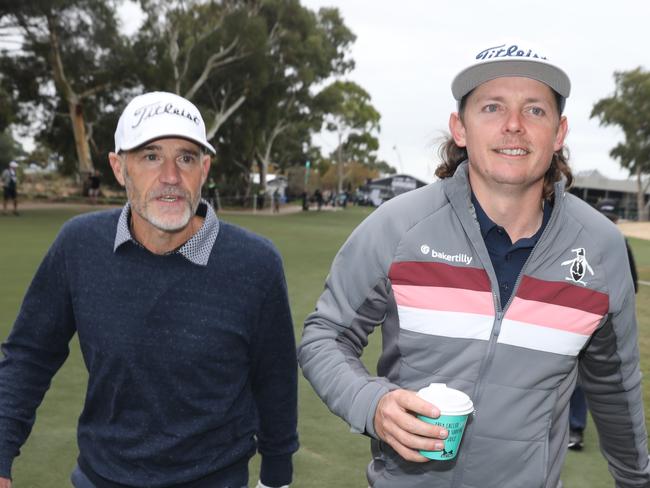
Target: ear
(205, 166)
(116, 165)
(457, 129)
(562, 131)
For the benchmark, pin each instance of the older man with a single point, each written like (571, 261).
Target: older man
(495, 281)
(188, 341)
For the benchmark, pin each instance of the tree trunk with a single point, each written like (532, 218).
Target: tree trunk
(80, 137)
(222, 115)
(264, 169)
(75, 109)
(642, 210)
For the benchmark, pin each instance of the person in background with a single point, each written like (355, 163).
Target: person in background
(10, 187)
(94, 182)
(212, 193)
(489, 280)
(318, 196)
(578, 403)
(188, 341)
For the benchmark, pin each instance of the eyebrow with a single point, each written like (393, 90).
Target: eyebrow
(156, 147)
(502, 99)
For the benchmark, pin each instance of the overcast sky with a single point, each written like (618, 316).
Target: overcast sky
(408, 51)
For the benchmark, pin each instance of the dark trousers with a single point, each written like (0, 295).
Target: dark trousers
(578, 410)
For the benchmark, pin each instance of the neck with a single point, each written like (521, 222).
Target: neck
(520, 213)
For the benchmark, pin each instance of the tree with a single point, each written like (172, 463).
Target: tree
(189, 43)
(274, 125)
(351, 116)
(9, 148)
(305, 50)
(629, 108)
(72, 54)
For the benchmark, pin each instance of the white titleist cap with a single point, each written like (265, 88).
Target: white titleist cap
(510, 59)
(13, 164)
(157, 115)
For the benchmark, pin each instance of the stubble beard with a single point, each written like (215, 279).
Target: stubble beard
(161, 221)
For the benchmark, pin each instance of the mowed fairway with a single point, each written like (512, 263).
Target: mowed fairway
(330, 456)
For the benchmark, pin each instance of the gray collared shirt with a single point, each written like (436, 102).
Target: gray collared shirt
(196, 250)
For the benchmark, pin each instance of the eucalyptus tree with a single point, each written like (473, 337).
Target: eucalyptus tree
(350, 115)
(629, 109)
(274, 126)
(64, 71)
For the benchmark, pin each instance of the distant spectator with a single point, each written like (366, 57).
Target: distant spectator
(276, 201)
(10, 187)
(578, 402)
(212, 193)
(305, 201)
(94, 181)
(318, 196)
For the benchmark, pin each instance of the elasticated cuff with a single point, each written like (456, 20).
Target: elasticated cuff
(276, 470)
(6, 461)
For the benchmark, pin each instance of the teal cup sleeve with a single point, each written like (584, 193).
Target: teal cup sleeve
(455, 425)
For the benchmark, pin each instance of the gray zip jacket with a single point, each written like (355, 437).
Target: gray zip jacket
(418, 267)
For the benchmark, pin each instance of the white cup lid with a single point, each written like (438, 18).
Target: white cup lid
(449, 400)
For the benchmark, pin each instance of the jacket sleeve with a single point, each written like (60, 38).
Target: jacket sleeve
(354, 302)
(34, 351)
(611, 379)
(275, 384)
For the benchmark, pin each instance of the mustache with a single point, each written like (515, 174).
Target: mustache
(168, 191)
(514, 142)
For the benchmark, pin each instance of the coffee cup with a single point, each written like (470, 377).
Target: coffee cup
(455, 407)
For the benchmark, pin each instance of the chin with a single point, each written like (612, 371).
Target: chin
(171, 223)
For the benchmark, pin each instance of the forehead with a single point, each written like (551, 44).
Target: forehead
(519, 87)
(170, 144)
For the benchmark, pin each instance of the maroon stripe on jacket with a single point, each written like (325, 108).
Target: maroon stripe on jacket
(439, 274)
(565, 294)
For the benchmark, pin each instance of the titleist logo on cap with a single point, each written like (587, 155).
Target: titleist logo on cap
(505, 51)
(157, 108)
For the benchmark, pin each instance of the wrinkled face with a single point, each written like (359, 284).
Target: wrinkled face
(511, 128)
(163, 182)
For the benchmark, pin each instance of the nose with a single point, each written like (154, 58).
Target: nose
(513, 122)
(169, 172)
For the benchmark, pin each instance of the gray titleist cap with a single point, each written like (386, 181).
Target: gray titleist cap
(510, 59)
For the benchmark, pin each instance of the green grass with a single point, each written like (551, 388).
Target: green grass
(330, 456)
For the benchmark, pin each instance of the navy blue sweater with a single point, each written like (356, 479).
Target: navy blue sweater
(190, 367)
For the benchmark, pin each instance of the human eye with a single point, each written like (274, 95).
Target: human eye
(150, 157)
(491, 108)
(537, 111)
(187, 159)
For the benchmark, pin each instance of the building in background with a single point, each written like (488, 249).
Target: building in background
(377, 191)
(595, 188)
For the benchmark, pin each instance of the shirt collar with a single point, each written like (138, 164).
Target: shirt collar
(196, 250)
(487, 224)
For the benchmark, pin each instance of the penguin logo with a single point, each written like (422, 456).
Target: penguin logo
(578, 266)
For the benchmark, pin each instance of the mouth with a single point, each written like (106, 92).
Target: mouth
(169, 198)
(512, 151)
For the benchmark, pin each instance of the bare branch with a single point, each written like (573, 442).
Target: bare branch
(57, 63)
(94, 90)
(223, 114)
(173, 54)
(215, 61)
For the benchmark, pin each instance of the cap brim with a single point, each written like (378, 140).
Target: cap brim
(471, 77)
(205, 145)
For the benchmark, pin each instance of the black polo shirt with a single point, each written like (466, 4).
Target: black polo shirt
(507, 258)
